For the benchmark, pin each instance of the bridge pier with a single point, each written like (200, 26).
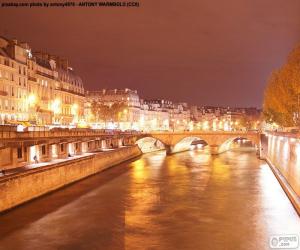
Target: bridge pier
(214, 149)
(169, 149)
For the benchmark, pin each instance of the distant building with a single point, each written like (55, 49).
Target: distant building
(225, 118)
(146, 115)
(130, 117)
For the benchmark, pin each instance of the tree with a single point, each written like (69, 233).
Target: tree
(108, 113)
(282, 94)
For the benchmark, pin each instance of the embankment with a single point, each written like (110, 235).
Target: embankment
(25, 186)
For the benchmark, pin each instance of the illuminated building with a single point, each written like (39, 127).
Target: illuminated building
(130, 115)
(13, 80)
(37, 87)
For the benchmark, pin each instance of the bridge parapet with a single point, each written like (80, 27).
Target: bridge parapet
(10, 134)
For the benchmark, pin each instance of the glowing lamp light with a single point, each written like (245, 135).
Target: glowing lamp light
(226, 126)
(74, 109)
(55, 106)
(142, 121)
(166, 122)
(31, 99)
(220, 125)
(82, 124)
(214, 125)
(191, 125)
(205, 125)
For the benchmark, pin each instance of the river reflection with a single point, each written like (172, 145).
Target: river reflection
(189, 200)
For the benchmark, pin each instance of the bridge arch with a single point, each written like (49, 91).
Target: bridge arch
(150, 144)
(185, 143)
(227, 144)
(218, 141)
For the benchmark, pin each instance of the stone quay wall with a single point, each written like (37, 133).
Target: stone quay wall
(22, 187)
(282, 152)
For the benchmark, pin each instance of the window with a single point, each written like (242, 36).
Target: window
(20, 153)
(43, 149)
(62, 147)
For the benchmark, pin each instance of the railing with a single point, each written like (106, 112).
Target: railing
(69, 91)
(44, 98)
(45, 75)
(33, 79)
(195, 132)
(295, 135)
(10, 132)
(3, 93)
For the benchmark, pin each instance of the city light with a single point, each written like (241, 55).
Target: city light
(56, 106)
(74, 109)
(31, 100)
(205, 125)
(214, 125)
(191, 125)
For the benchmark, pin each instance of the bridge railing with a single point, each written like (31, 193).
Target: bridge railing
(283, 134)
(10, 132)
(202, 132)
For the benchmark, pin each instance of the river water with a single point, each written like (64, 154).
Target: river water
(189, 200)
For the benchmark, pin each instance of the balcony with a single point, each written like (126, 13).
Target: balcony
(44, 98)
(45, 75)
(69, 91)
(3, 93)
(33, 79)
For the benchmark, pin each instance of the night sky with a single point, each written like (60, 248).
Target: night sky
(203, 52)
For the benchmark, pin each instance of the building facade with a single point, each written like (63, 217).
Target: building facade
(37, 87)
(124, 102)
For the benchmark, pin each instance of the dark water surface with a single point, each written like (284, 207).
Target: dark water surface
(185, 201)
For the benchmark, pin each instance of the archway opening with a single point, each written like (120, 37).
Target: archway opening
(150, 144)
(198, 144)
(238, 143)
(189, 143)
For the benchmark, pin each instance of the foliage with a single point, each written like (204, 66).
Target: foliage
(113, 113)
(282, 94)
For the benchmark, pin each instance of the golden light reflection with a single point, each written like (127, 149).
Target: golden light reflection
(220, 170)
(139, 171)
(143, 198)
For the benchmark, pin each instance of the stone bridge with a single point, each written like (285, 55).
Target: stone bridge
(218, 141)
